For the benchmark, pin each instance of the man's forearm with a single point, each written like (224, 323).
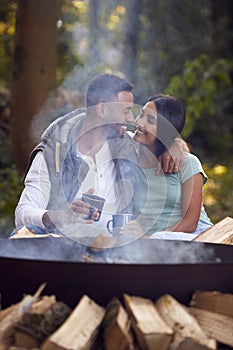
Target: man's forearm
(28, 215)
(48, 223)
(55, 219)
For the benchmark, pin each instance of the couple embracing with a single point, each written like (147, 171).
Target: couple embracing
(149, 174)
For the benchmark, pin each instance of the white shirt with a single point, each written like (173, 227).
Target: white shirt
(35, 196)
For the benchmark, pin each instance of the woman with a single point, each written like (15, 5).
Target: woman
(173, 201)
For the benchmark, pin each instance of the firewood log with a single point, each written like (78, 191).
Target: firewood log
(8, 310)
(10, 317)
(221, 232)
(116, 327)
(79, 330)
(150, 329)
(19, 348)
(40, 321)
(217, 326)
(188, 333)
(221, 303)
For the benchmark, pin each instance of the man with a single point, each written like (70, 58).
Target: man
(84, 151)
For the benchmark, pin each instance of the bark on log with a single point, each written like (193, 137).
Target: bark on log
(13, 315)
(39, 322)
(116, 327)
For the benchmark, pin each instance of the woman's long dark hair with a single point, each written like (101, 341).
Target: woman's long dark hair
(170, 120)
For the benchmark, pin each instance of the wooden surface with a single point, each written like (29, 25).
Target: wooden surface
(222, 232)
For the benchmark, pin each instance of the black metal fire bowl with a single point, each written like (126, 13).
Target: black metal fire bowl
(148, 268)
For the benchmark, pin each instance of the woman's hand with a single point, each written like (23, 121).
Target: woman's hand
(132, 227)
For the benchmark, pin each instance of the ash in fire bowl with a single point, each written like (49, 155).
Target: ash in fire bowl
(142, 251)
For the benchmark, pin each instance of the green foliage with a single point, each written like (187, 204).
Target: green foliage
(10, 189)
(206, 88)
(171, 35)
(7, 31)
(72, 12)
(218, 192)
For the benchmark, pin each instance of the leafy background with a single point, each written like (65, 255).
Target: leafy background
(179, 47)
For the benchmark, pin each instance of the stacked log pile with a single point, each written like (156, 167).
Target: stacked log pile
(133, 323)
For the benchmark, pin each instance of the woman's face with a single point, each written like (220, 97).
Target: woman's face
(146, 125)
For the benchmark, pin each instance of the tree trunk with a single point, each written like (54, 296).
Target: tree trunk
(220, 26)
(34, 69)
(94, 30)
(131, 40)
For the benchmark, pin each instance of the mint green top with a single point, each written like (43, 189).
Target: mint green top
(162, 196)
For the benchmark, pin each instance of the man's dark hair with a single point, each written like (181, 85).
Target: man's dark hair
(104, 87)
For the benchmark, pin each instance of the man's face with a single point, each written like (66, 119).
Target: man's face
(118, 114)
(120, 110)
(124, 114)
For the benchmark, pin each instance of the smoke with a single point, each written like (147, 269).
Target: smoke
(63, 101)
(146, 251)
(143, 251)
